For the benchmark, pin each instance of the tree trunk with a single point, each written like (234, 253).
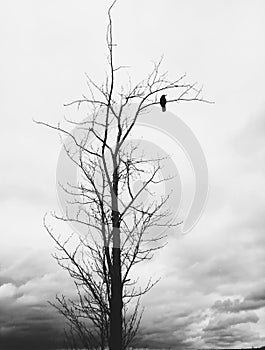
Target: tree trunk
(116, 304)
(116, 285)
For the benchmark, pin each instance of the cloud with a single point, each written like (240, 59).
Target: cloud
(7, 290)
(240, 336)
(27, 299)
(253, 301)
(232, 321)
(230, 326)
(27, 321)
(222, 321)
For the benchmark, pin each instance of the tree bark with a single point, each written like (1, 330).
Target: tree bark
(116, 304)
(116, 342)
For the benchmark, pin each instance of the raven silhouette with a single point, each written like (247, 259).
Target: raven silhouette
(163, 102)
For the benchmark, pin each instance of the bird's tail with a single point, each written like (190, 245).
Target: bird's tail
(163, 109)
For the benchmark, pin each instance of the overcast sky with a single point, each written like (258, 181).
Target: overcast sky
(212, 291)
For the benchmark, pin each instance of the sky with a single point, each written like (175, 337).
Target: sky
(212, 290)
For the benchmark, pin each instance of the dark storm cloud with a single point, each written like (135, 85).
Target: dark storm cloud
(227, 337)
(27, 321)
(257, 296)
(162, 338)
(253, 301)
(174, 330)
(27, 327)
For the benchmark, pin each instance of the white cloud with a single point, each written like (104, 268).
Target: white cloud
(7, 290)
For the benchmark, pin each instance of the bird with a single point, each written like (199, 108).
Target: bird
(163, 102)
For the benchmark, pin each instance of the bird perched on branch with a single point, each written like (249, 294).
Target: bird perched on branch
(163, 102)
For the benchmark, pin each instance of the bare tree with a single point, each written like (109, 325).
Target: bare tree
(119, 225)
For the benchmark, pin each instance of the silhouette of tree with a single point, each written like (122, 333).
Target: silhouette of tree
(107, 310)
